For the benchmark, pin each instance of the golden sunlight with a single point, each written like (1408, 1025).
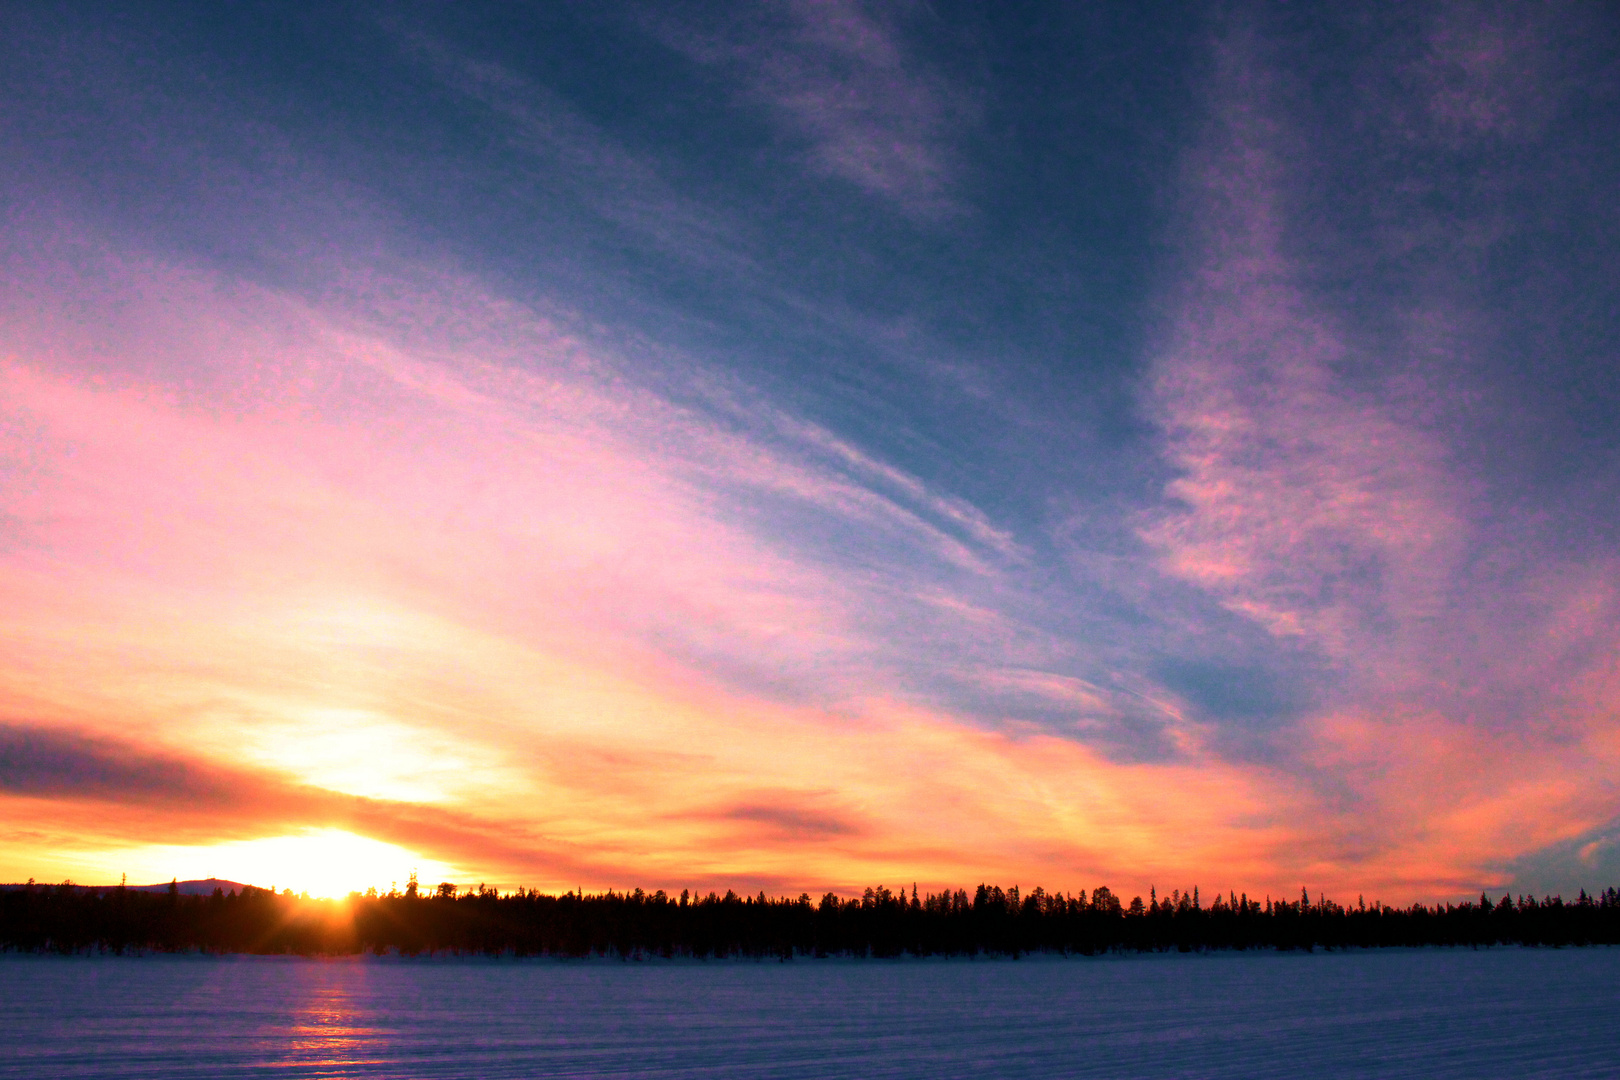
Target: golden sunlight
(321, 862)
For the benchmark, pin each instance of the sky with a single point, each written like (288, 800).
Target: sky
(812, 444)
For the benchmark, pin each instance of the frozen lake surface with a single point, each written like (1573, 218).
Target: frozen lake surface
(1430, 1013)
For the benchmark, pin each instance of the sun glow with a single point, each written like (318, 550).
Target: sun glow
(321, 862)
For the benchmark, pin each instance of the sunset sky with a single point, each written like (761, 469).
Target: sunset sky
(810, 445)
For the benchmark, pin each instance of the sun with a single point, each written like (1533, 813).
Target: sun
(321, 862)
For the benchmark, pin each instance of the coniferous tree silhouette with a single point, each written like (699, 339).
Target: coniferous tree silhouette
(878, 923)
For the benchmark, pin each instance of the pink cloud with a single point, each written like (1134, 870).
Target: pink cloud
(1306, 502)
(468, 589)
(252, 533)
(1313, 498)
(1486, 69)
(323, 560)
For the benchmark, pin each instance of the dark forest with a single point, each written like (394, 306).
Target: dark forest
(991, 921)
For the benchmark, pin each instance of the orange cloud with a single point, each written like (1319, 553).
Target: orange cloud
(474, 594)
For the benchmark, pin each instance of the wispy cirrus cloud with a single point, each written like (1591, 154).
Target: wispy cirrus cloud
(263, 536)
(1303, 499)
(1318, 494)
(842, 82)
(425, 550)
(1489, 69)
(563, 147)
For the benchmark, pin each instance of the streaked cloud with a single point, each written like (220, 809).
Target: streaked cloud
(839, 77)
(1316, 496)
(1303, 499)
(399, 541)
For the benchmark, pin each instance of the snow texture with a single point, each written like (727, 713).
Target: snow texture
(1435, 1013)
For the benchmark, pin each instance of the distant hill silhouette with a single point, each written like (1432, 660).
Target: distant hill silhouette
(197, 887)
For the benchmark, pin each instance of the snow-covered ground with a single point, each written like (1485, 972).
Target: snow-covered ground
(1435, 1013)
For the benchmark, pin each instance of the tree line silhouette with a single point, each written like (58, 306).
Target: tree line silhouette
(880, 923)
